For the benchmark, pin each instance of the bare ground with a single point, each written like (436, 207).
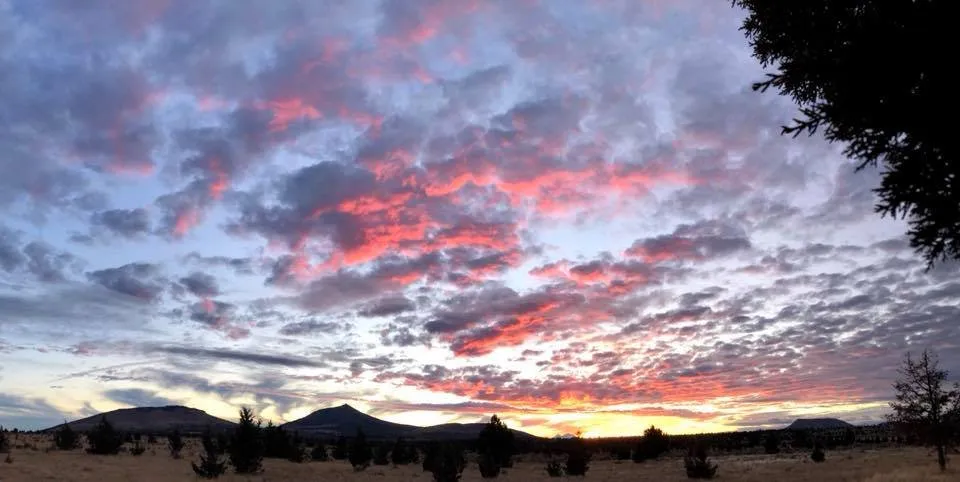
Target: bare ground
(31, 462)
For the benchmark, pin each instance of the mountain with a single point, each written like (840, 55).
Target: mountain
(345, 420)
(817, 424)
(154, 420)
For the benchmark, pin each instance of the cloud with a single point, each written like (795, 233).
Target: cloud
(139, 280)
(137, 397)
(128, 223)
(236, 356)
(312, 327)
(201, 284)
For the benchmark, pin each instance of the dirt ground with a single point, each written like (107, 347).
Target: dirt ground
(31, 462)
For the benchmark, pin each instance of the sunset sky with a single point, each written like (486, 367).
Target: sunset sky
(572, 213)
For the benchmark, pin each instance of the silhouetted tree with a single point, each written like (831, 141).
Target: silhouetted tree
(870, 75)
(400, 454)
(771, 444)
(818, 455)
(319, 453)
(4, 441)
(137, 449)
(697, 464)
(430, 456)
(923, 405)
(497, 440)
(360, 453)
(276, 442)
(175, 443)
(448, 464)
(413, 455)
(246, 445)
(103, 439)
(488, 464)
(65, 438)
(381, 455)
(210, 466)
(578, 458)
(554, 468)
(341, 449)
(653, 443)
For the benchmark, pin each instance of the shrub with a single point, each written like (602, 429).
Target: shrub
(246, 445)
(554, 469)
(489, 465)
(4, 441)
(430, 456)
(771, 444)
(175, 443)
(151, 439)
(276, 442)
(103, 439)
(653, 444)
(65, 438)
(818, 455)
(448, 464)
(319, 453)
(210, 465)
(400, 454)
(497, 440)
(297, 453)
(578, 458)
(360, 453)
(341, 449)
(697, 464)
(381, 455)
(137, 449)
(413, 455)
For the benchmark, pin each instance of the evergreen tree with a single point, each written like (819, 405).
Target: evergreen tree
(430, 456)
(4, 441)
(413, 455)
(448, 463)
(341, 449)
(817, 455)
(103, 439)
(359, 453)
(400, 454)
(578, 458)
(488, 464)
(653, 443)
(246, 446)
(65, 438)
(175, 443)
(497, 440)
(381, 455)
(276, 442)
(319, 453)
(210, 466)
(697, 464)
(771, 444)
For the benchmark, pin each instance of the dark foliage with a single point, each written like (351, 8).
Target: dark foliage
(151, 439)
(554, 468)
(489, 465)
(653, 444)
(276, 442)
(210, 466)
(319, 453)
(818, 455)
(413, 455)
(621, 453)
(103, 439)
(341, 449)
(497, 440)
(448, 463)
(924, 405)
(771, 444)
(430, 456)
(4, 441)
(871, 76)
(360, 452)
(137, 449)
(381, 455)
(246, 445)
(578, 458)
(175, 443)
(65, 438)
(400, 454)
(698, 465)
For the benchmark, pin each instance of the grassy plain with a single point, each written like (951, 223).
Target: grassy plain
(31, 462)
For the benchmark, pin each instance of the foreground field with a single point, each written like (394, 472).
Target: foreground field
(885, 465)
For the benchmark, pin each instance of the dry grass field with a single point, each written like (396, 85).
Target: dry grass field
(31, 463)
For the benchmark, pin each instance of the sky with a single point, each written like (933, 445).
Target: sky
(574, 214)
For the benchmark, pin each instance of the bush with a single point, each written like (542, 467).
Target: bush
(276, 443)
(319, 453)
(175, 443)
(818, 455)
(489, 465)
(448, 464)
(210, 465)
(360, 453)
(430, 456)
(137, 449)
(554, 469)
(697, 464)
(65, 438)
(381, 456)
(4, 441)
(653, 444)
(400, 454)
(341, 449)
(103, 439)
(151, 439)
(771, 445)
(497, 440)
(246, 445)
